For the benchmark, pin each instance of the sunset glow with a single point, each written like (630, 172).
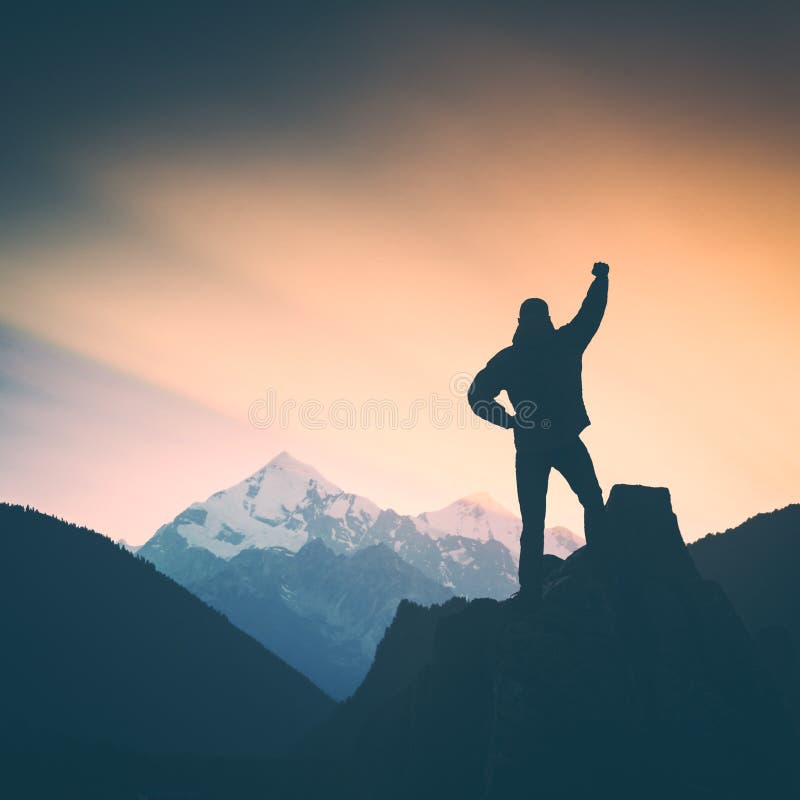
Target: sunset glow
(376, 249)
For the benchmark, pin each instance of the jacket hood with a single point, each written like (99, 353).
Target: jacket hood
(532, 332)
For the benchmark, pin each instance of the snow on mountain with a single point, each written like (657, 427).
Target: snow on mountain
(561, 541)
(470, 546)
(477, 516)
(480, 516)
(315, 573)
(275, 507)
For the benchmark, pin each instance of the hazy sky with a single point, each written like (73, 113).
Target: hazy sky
(330, 206)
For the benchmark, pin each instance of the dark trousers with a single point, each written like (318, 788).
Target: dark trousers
(573, 461)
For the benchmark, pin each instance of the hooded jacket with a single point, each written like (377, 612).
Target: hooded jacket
(541, 372)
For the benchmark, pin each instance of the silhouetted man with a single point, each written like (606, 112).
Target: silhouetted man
(541, 372)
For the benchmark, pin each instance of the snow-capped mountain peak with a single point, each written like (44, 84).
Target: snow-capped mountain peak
(283, 504)
(279, 487)
(476, 516)
(286, 462)
(480, 516)
(485, 501)
(470, 546)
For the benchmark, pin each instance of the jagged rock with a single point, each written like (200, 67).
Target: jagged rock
(635, 677)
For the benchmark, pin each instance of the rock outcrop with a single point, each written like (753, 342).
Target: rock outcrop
(635, 677)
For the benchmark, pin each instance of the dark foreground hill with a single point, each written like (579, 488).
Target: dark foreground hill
(99, 648)
(635, 678)
(758, 565)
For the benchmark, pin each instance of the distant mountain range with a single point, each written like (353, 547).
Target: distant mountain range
(470, 547)
(316, 573)
(99, 647)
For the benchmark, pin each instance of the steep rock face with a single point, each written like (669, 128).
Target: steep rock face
(634, 677)
(467, 566)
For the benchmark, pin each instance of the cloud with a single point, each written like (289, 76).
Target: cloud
(90, 77)
(96, 446)
(356, 209)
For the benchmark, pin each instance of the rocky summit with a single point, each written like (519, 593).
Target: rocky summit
(634, 677)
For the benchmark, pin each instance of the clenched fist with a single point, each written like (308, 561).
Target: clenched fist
(600, 268)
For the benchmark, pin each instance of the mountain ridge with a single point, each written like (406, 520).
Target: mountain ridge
(104, 648)
(287, 502)
(288, 511)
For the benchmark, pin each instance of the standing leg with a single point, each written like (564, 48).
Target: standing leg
(533, 471)
(575, 464)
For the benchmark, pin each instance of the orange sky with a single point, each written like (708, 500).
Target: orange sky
(395, 257)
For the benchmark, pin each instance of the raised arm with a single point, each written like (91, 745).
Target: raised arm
(488, 383)
(586, 322)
